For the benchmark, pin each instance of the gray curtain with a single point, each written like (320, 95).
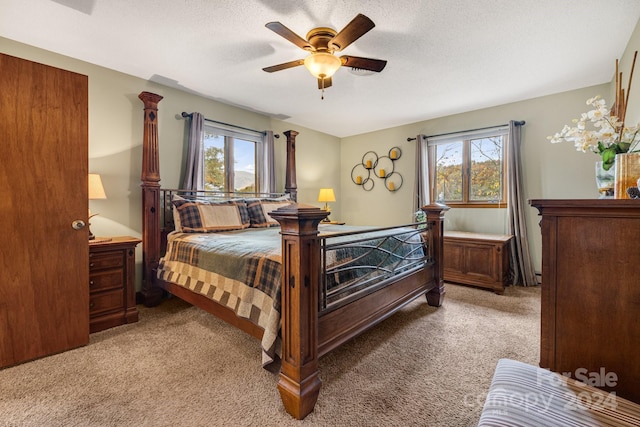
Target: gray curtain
(266, 170)
(194, 171)
(422, 182)
(523, 272)
(425, 176)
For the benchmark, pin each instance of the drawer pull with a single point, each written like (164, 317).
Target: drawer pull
(91, 265)
(91, 304)
(91, 283)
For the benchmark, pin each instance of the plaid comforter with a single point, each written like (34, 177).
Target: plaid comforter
(238, 269)
(242, 270)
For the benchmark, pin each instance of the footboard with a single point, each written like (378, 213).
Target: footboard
(368, 275)
(312, 325)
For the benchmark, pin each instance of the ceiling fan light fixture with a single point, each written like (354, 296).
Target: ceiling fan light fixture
(322, 64)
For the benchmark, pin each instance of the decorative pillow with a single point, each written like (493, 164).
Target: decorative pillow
(174, 212)
(259, 211)
(206, 217)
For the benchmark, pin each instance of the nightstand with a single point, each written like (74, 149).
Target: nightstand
(112, 299)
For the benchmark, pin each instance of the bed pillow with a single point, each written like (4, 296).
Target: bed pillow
(259, 211)
(174, 212)
(206, 217)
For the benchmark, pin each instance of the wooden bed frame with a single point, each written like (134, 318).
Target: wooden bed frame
(306, 335)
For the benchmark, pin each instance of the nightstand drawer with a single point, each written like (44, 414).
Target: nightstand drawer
(102, 260)
(106, 279)
(106, 301)
(112, 275)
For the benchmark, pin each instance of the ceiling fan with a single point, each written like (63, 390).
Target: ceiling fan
(322, 42)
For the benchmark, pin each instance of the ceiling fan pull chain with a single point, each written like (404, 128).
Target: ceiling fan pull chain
(322, 93)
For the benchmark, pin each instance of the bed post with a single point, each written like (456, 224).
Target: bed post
(435, 213)
(299, 383)
(150, 177)
(290, 184)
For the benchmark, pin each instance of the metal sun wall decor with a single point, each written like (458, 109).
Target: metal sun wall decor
(382, 167)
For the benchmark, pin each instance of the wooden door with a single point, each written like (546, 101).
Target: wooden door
(44, 269)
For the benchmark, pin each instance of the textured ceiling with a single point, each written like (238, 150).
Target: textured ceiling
(444, 56)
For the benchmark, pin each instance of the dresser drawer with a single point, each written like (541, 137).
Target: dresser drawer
(106, 279)
(106, 301)
(100, 260)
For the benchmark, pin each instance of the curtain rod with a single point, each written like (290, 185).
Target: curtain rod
(517, 123)
(185, 114)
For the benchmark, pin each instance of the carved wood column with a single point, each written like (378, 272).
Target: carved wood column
(150, 199)
(291, 185)
(435, 213)
(299, 383)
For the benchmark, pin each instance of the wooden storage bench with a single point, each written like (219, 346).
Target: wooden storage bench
(477, 259)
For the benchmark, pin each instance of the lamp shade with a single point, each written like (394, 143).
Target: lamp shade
(326, 195)
(96, 189)
(322, 64)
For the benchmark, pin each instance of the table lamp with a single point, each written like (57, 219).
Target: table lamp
(96, 191)
(326, 195)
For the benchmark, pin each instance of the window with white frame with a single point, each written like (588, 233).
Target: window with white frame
(230, 159)
(470, 168)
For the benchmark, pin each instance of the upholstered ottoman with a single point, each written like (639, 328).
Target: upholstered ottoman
(525, 395)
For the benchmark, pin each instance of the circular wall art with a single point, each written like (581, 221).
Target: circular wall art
(383, 167)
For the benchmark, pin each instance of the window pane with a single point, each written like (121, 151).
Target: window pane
(486, 169)
(244, 168)
(213, 161)
(449, 172)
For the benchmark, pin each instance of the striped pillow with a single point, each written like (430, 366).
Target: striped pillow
(207, 217)
(259, 211)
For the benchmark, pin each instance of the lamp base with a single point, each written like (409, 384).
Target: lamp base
(328, 209)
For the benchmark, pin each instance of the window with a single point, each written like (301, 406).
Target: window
(470, 169)
(230, 159)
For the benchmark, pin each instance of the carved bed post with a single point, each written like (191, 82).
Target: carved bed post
(290, 184)
(299, 383)
(150, 199)
(435, 213)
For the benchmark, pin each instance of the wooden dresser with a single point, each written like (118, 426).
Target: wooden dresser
(477, 259)
(112, 299)
(590, 317)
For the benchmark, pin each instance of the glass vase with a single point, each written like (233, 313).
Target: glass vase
(605, 180)
(627, 174)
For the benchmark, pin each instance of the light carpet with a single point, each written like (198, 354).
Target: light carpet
(180, 366)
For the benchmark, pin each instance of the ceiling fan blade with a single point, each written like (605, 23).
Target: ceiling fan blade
(323, 85)
(370, 64)
(351, 32)
(284, 66)
(283, 31)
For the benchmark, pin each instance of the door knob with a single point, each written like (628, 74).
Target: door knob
(78, 224)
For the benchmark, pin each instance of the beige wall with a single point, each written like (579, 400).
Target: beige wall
(633, 109)
(115, 138)
(550, 170)
(115, 141)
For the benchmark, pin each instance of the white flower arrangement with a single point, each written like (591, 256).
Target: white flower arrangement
(607, 135)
